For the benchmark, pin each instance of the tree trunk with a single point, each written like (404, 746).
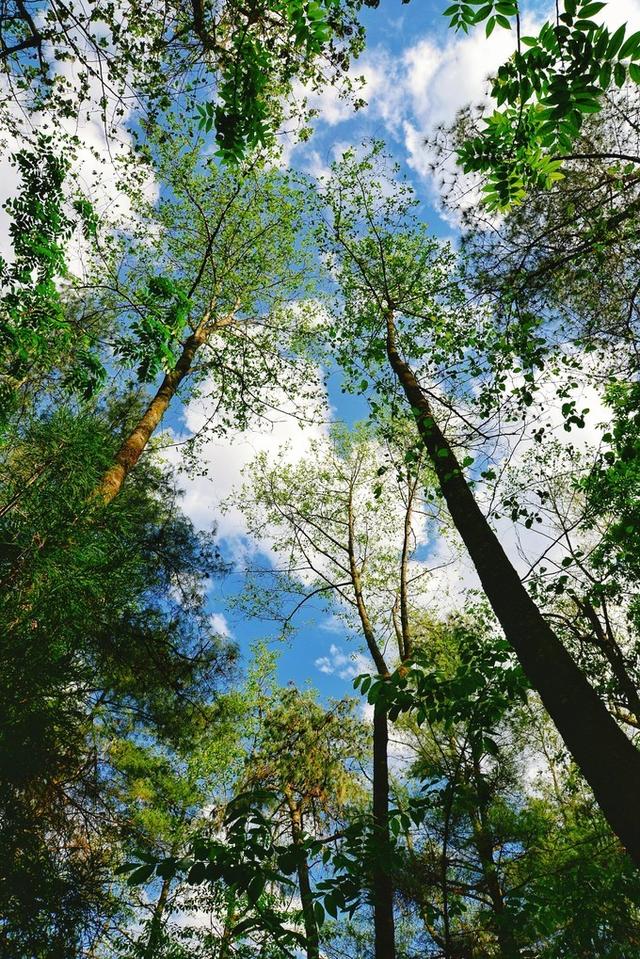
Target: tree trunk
(385, 947)
(607, 759)
(132, 448)
(384, 929)
(306, 896)
(155, 929)
(483, 841)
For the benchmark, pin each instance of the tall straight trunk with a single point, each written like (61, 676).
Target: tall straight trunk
(607, 759)
(304, 883)
(133, 446)
(383, 921)
(483, 841)
(155, 929)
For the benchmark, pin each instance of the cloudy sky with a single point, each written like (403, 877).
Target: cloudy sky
(418, 74)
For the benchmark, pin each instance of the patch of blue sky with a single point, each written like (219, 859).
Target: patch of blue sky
(419, 74)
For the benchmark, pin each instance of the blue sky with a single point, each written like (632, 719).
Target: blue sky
(418, 75)
(410, 64)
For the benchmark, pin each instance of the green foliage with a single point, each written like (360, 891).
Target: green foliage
(480, 688)
(37, 331)
(104, 628)
(151, 340)
(222, 256)
(547, 88)
(613, 489)
(241, 59)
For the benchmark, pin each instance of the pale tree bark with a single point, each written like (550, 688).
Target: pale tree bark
(135, 443)
(607, 759)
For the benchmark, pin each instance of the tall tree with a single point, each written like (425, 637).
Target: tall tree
(203, 288)
(308, 757)
(105, 625)
(348, 527)
(242, 61)
(400, 298)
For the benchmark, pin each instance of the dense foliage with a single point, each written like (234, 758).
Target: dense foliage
(467, 518)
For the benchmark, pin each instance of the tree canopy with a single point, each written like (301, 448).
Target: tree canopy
(319, 482)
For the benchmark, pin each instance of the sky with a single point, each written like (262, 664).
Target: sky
(418, 75)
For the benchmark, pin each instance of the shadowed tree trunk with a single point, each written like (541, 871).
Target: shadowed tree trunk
(383, 921)
(155, 928)
(483, 842)
(607, 759)
(304, 882)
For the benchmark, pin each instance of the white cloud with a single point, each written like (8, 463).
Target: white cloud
(333, 624)
(223, 460)
(220, 625)
(344, 665)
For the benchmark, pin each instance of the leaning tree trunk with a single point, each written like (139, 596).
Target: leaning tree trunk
(133, 446)
(135, 443)
(607, 759)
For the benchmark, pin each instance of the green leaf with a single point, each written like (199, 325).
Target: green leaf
(141, 874)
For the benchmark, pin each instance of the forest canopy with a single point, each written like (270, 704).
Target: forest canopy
(319, 480)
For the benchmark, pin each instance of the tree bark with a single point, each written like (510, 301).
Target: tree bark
(483, 841)
(135, 443)
(383, 920)
(155, 929)
(133, 446)
(304, 883)
(607, 759)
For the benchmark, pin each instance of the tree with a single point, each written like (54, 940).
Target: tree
(38, 334)
(105, 629)
(203, 289)
(306, 756)
(562, 257)
(346, 530)
(240, 60)
(498, 831)
(546, 90)
(399, 292)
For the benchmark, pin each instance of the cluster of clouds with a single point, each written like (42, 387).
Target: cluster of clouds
(344, 665)
(414, 88)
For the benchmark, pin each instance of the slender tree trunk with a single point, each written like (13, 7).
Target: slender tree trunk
(155, 929)
(226, 940)
(607, 759)
(484, 844)
(133, 446)
(306, 896)
(383, 921)
(605, 641)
